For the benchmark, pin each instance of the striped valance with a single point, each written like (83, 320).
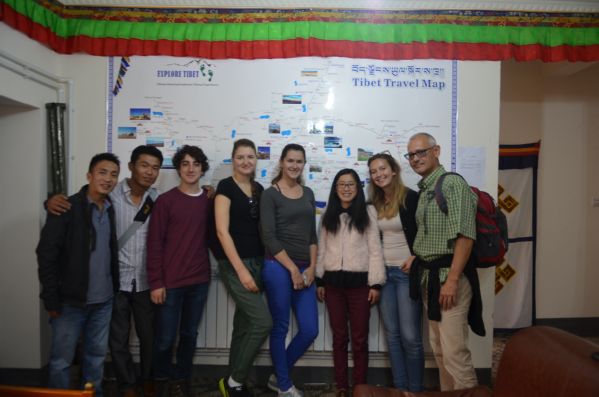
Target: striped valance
(272, 33)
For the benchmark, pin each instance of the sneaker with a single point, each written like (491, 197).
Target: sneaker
(292, 392)
(149, 388)
(341, 393)
(272, 383)
(130, 392)
(228, 391)
(162, 388)
(179, 388)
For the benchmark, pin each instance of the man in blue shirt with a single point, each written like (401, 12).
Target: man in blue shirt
(132, 201)
(78, 270)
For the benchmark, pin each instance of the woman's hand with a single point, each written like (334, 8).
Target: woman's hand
(320, 293)
(407, 265)
(373, 296)
(246, 279)
(309, 273)
(296, 278)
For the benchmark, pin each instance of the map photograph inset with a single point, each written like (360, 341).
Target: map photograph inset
(292, 99)
(364, 154)
(140, 114)
(274, 128)
(263, 152)
(332, 142)
(127, 132)
(156, 142)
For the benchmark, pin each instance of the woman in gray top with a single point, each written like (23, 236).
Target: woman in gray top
(289, 235)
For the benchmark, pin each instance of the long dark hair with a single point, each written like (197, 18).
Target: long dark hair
(357, 212)
(286, 149)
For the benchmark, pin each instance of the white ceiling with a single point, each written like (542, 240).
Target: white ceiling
(530, 5)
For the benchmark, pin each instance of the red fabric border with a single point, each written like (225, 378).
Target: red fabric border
(297, 47)
(530, 149)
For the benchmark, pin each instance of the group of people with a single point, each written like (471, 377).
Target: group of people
(100, 262)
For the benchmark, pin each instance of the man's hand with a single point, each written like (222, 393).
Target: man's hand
(448, 296)
(58, 204)
(210, 190)
(158, 296)
(53, 313)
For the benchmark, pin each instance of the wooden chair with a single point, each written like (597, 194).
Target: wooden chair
(24, 391)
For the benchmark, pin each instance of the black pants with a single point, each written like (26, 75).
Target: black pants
(141, 306)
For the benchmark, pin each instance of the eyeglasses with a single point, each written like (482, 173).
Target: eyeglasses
(418, 153)
(349, 185)
(254, 209)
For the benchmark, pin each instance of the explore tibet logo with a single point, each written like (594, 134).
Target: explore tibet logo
(193, 72)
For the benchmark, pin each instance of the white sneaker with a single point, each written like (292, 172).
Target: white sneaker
(272, 383)
(292, 392)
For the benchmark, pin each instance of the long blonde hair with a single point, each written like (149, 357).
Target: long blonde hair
(399, 191)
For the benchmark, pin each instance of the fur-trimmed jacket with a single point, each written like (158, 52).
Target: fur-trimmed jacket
(349, 258)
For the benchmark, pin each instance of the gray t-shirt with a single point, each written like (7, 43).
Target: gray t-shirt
(288, 224)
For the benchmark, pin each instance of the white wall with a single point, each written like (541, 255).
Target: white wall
(478, 97)
(23, 330)
(478, 126)
(561, 110)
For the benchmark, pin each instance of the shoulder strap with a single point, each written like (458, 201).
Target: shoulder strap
(439, 196)
(140, 218)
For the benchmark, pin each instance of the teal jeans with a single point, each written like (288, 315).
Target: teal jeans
(251, 322)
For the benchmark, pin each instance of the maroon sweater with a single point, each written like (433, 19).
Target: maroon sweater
(178, 240)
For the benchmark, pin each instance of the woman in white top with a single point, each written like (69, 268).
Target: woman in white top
(350, 272)
(396, 209)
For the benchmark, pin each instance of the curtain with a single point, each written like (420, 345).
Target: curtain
(517, 197)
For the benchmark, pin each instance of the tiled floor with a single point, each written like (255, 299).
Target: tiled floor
(207, 387)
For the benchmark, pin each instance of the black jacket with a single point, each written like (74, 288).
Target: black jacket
(407, 215)
(63, 254)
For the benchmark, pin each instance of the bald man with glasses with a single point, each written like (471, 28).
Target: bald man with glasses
(443, 268)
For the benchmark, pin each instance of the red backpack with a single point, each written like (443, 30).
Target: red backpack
(491, 226)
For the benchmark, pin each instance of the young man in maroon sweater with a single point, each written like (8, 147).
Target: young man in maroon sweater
(179, 270)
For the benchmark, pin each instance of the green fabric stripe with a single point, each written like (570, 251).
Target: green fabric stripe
(384, 33)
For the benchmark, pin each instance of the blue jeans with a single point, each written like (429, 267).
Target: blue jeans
(93, 320)
(181, 310)
(282, 297)
(402, 318)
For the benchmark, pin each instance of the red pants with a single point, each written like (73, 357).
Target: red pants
(351, 304)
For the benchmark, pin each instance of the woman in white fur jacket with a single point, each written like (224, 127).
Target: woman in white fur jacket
(350, 272)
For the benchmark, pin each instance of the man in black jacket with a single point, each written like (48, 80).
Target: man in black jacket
(78, 270)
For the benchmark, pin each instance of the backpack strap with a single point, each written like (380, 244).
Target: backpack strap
(140, 218)
(439, 196)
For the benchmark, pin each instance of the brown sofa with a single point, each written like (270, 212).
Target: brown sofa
(536, 362)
